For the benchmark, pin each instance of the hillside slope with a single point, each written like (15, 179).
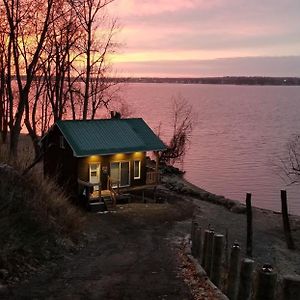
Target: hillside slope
(36, 222)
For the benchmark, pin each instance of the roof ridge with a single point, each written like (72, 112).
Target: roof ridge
(91, 120)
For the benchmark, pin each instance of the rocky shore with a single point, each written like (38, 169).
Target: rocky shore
(229, 217)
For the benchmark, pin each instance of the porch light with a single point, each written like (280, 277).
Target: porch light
(119, 156)
(93, 158)
(138, 154)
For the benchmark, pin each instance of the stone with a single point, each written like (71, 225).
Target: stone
(238, 209)
(3, 273)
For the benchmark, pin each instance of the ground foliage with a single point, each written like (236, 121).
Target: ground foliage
(36, 220)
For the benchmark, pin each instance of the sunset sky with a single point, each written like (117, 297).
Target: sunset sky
(208, 37)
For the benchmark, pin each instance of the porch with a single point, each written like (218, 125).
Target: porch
(107, 198)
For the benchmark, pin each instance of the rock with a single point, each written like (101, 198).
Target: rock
(238, 209)
(4, 273)
(3, 290)
(204, 196)
(220, 200)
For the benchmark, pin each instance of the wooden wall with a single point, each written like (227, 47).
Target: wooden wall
(83, 166)
(59, 163)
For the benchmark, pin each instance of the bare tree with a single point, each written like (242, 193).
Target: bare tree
(4, 103)
(290, 164)
(24, 17)
(183, 121)
(95, 50)
(53, 63)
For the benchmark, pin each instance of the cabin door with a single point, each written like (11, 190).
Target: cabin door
(94, 175)
(120, 174)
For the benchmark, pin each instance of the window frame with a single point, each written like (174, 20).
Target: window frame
(139, 168)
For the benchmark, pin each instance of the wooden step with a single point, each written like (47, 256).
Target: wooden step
(98, 206)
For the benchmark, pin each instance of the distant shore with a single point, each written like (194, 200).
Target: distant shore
(226, 80)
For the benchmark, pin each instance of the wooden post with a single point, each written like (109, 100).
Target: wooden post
(193, 236)
(266, 283)
(249, 225)
(87, 193)
(217, 256)
(204, 249)
(196, 244)
(286, 222)
(156, 153)
(245, 287)
(209, 248)
(234, 268)
(291, 287)
(193, 228)
(226, 249)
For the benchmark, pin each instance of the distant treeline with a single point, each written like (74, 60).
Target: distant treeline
(242, 80)
(239, 80)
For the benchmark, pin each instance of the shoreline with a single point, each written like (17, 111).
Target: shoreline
(182, 185)
(228, 217)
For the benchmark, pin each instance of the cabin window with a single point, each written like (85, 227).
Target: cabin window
(61, 142)
(137, 169)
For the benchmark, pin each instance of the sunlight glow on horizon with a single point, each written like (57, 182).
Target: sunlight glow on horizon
(196, 30)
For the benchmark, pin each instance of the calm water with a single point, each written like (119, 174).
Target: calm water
(239, 139)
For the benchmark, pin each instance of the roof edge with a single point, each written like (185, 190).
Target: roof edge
(113, 153)
(70, 144)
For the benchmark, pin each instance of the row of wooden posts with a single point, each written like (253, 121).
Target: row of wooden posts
(209, 250)
(208, 247)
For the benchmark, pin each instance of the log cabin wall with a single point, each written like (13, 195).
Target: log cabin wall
(59, 162)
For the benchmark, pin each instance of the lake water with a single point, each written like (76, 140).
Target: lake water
(240, 136)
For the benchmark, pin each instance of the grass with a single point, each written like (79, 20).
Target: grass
(37, 219)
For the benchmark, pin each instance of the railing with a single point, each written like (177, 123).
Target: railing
(152, 178)
(89, 191)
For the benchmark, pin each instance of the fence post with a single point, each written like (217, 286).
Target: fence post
(193, 228)
(217, 256)
(204, 249)
(245, 286)
(193, 234)
(286, 222)
(291, 287)
(266, 283)
(208, 254)
(226, 249)
(249, 225)
(198, 243)
(233, 276)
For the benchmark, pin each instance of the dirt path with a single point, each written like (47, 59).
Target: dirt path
(129, 256)
(133, 253)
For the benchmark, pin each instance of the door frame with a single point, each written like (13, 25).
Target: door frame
(96, 187)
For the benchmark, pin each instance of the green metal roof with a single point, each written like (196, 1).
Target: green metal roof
(109, 136)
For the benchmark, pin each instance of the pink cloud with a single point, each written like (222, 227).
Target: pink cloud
(150, 7)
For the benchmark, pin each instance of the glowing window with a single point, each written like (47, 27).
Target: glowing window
(137, 169)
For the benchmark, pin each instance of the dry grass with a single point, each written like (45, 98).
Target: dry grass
(36, 217)
(25, 153)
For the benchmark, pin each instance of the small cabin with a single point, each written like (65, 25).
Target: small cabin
(94, 159)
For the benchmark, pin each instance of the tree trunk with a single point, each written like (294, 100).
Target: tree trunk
(88, 73)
